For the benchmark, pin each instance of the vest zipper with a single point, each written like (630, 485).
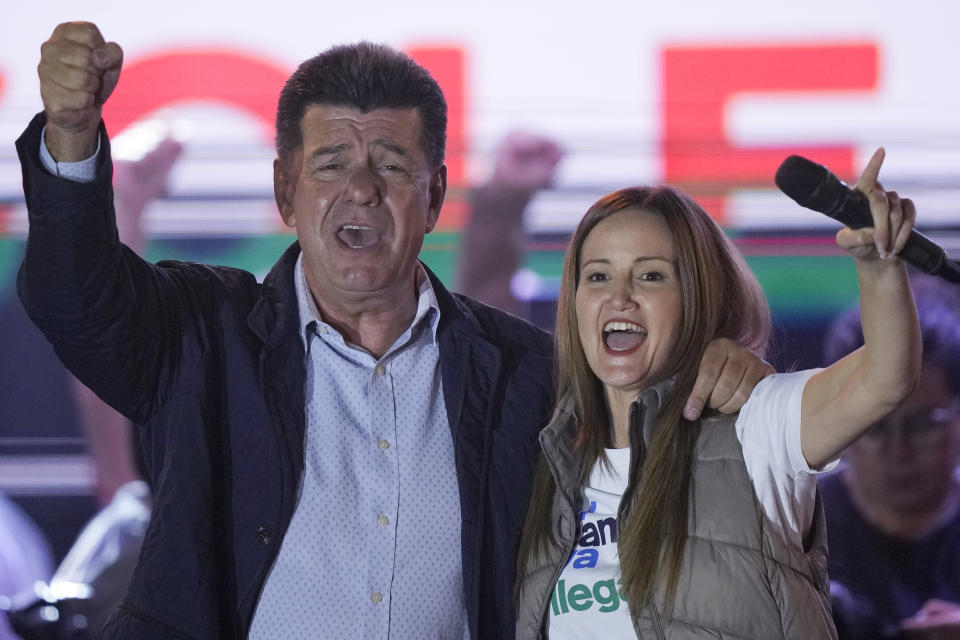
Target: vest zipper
(638, 454)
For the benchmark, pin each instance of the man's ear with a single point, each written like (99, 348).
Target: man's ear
(284, 185)
(436, 193)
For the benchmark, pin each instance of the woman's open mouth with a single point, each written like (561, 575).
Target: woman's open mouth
(622, 338)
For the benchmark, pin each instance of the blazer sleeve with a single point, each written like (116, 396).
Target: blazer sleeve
(116, 321)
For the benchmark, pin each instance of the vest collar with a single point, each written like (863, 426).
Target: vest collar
(558, 438)
(646, 409)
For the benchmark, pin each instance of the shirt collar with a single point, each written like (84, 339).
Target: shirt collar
(427, 305)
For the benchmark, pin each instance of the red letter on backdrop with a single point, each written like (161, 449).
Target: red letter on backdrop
(445, 64)
(241, 81)
(699, 81)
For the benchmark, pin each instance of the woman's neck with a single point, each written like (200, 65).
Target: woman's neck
(618, 403)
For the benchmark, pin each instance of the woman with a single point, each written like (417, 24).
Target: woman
(721, 535)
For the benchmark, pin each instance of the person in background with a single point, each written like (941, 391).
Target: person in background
(492, 241)
(893, 507)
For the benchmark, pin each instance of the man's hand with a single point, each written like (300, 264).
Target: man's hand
(728, 373)
(78, 71)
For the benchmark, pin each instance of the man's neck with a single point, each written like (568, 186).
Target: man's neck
(371, 321)
(375, 326)
(897, 524)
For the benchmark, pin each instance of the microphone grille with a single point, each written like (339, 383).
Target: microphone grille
(800, 179)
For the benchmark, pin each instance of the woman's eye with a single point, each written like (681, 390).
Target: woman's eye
(652, 276)
(596, 276)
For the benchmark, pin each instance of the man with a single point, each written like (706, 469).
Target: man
(322, 445)
(893, 512)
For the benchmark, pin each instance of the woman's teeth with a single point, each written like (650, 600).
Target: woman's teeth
(623, 336)
(622, 326)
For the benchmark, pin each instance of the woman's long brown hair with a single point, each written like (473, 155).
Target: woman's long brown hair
(720, 299)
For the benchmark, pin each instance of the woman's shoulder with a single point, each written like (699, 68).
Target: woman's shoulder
(718, 437)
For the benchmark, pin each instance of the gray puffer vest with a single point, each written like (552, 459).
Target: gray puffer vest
(740, 577)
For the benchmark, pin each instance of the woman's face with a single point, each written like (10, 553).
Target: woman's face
(628, 301)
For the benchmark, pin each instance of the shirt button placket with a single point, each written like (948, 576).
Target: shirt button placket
(382, 422)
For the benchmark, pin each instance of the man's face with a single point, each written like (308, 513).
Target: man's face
(906, 462)
(361, 196)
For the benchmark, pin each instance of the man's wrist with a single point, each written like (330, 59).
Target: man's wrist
(70, 146)
(84, 170)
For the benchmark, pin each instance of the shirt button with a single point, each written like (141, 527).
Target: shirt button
(376, 597)
(322, 329)
(380, 370)
(383, 521)
(264, 534)
(383, 444)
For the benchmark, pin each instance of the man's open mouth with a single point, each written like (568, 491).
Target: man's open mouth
(358, 236)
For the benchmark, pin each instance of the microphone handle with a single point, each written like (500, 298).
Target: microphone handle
(853, 210)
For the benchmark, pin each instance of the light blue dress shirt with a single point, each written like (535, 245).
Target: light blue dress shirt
(373, 550)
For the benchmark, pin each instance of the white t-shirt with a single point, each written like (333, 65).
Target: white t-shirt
(587, 601)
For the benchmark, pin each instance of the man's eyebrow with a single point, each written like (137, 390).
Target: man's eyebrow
(391, 146)
(329, 150)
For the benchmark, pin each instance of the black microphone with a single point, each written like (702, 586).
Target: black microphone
(812, 186)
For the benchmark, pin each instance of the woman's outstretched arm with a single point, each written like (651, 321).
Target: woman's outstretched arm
(843, 400)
